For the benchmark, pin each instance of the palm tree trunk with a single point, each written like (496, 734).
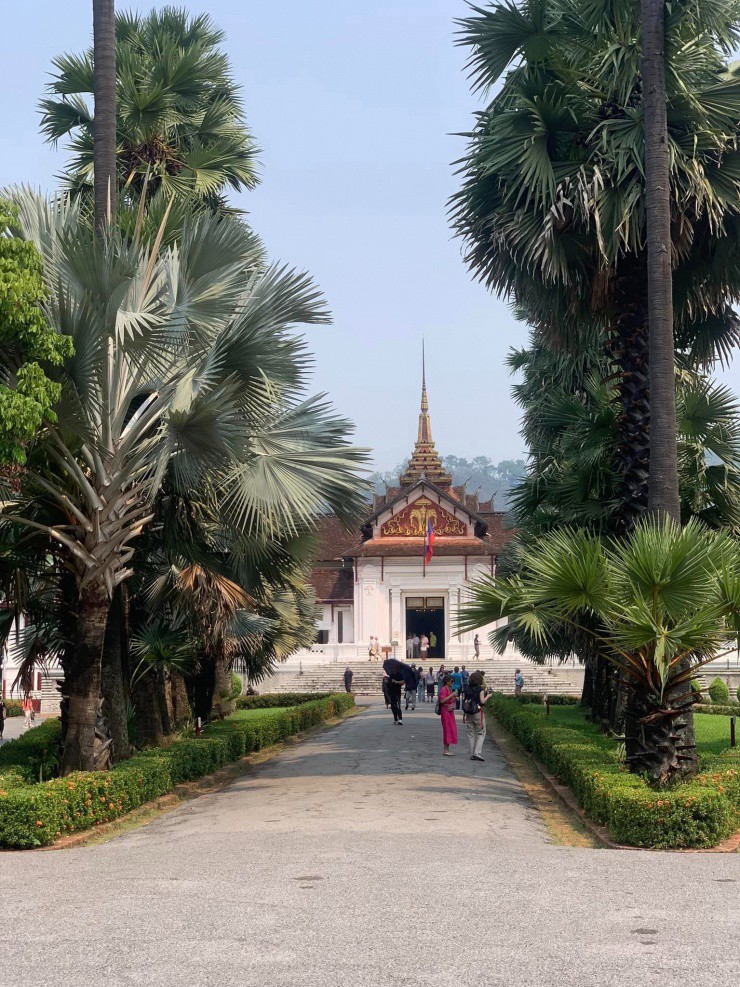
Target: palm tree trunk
(222, 703)
(629, 353)
(663, 749)
(82, 681)
(663, 482)
(113, 687)
(181, 712)
(104, 149)
(148, 714)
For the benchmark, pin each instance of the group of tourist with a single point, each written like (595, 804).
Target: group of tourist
(420, 646)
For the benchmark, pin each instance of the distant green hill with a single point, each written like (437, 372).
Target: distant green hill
(481, 474)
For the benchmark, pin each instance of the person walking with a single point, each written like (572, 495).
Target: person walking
(386, 691)
(475, 697)
(447, 715)
(457, 684)
(410, 694)
(395, 685)
(28, 713)
(420, 685)
(424, 645)
(476, 647)
(518, 682)
(429, 681)
(348, 676)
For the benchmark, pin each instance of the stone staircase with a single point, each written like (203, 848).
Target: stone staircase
(555, 680)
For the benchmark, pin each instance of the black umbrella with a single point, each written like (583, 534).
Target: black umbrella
(400, 670)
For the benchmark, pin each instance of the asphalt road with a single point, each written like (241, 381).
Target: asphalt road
(365, 857)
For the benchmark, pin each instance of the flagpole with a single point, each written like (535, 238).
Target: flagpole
(424, 549)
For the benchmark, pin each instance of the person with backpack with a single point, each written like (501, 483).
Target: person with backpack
(475, 697)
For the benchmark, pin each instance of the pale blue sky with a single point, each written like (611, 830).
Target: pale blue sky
(354, 104)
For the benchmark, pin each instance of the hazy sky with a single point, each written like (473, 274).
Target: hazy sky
(354, 104)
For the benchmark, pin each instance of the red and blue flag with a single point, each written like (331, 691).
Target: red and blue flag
(429, 542)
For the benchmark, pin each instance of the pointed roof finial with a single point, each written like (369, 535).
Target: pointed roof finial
(425, 460)
(424, 398)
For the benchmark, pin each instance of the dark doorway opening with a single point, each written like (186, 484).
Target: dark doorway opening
(428, 620)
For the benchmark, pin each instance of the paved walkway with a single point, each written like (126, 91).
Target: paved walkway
(365, 858)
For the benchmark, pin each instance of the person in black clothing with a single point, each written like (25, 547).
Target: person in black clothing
(348, 676)
(395, 685)
(386, 693)
(2, 718)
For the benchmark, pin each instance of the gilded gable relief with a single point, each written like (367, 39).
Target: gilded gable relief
(411, 522)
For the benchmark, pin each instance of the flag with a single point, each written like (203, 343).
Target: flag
(429, 543)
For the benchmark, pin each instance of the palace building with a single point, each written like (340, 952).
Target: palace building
(373, 582)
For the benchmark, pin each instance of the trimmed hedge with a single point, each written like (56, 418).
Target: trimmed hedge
(700, 813)
(33, 750)
(711, 710)
(538, 699)
(13, 707)
(36, 815)
(719, 692)
(279, 700)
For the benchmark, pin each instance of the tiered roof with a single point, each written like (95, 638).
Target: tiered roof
(333, 575)
(425, 462)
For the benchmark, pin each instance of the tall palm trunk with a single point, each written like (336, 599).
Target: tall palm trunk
(104, 147)
(629, 353)
(663, 482)
(114, 689)
(82, 681)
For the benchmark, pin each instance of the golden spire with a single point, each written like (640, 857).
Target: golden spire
(425, 461)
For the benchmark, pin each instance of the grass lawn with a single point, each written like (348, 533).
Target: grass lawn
(712, 732)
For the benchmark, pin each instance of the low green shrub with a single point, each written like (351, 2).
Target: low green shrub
(37, 814)
(13, 707)
(538, 698)
(699, 813)
(236, 685)
(273, 700)
(738, 694)
(34, 753)
(713, 710)
(719, 692)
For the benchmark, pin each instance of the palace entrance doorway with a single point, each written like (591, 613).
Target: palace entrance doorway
(426, 615)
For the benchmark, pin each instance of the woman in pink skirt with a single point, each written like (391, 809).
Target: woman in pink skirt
(447, 704)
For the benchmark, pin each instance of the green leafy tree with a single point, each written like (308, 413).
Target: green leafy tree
(664, 600)
(184, 365)
(553, 202)
(27, 343)
(180, 120)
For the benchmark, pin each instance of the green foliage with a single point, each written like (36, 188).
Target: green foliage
(719, 692)
(32, 750)
(179, 118)
(37, 814)
(662, 591)
(13, 707)
(699, 813)
(538, 699)
(27, 341)
(273, 700)
(236, 685)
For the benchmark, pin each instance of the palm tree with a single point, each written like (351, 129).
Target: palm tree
(663, 482)
(553, 200)
(104, 122)
(180, 122)
(665, 599)
(184, 364)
